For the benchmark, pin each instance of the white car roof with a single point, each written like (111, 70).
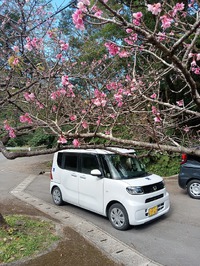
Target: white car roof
(99, 151)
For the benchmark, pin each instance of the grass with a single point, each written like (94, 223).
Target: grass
(25, 237)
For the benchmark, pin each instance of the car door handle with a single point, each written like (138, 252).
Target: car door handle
(83, 177)
(74, 175)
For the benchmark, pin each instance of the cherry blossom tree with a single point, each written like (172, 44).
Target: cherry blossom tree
(142, 92)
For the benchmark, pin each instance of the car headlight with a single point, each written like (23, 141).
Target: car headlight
(135, 190)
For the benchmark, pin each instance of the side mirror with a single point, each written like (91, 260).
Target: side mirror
(96, 172)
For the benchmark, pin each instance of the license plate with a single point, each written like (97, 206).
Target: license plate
(152, 211)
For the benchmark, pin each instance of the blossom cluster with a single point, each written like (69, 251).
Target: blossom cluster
(30, 97)
(194, 66)
(35, 43)
(10, 129)
(26, 118)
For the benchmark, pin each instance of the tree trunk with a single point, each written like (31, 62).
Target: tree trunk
(3, 222)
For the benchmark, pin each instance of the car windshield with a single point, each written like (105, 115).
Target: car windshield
(125, 167)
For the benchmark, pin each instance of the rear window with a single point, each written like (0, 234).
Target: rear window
(67, 161)
(194, 158)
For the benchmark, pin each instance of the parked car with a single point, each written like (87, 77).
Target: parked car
(189, 175)
(108, 183)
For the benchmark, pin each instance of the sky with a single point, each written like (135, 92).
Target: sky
(60, 3)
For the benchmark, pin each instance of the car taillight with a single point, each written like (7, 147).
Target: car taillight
(51, 176)
(183, 158)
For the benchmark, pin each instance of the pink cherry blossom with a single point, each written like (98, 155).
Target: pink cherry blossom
(180, 103)
(16, 61)
(154, 96)
(84, 124)
(123, 54)
(6, 125)
(186, 129)
(26, 119)
(190, 55)
(166, 21)
(76, 143)
(35, 43)
(81, 6)
(161, 36)
(53, 95)
(155, 9)
(193, 63)
(12, 134)
(197, 71)
(64, 46)
(29, 96)
(137, 15)
(16, 49)
(157, 119)
(40, 105)
(198, 56)
(112, 48)
(58, 56)
(73, 117)
(137, 18)
(100, 98)
(154, 110)
(129, 30)
(62, 140)
(178, 7)
(54, 108)
(118, 97)
(10, 130)
(78, 19)
(64, 80)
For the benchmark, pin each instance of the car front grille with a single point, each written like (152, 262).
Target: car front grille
(153, 187)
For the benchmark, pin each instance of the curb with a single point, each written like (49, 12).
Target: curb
(110, 246)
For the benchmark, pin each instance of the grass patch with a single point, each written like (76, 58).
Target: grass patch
(25, 237)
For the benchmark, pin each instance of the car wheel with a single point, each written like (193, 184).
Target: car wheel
(193, 189)
(118, 216)
(57, 196)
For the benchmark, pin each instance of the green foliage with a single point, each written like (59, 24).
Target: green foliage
(35, 139)
(24, 237)
(40, 137)
(162, 164)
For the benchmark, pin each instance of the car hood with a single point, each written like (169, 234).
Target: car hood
(143, 181)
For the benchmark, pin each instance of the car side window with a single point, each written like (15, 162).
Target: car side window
(106, 170)
(70, 162)
(59, 159)
(89, 163)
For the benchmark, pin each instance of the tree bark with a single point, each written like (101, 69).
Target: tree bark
(3, 223)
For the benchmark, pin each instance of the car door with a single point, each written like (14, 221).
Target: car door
(69, 177)
(91, 188)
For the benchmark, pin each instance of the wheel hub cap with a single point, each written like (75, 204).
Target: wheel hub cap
(117, 217)
(195, 189)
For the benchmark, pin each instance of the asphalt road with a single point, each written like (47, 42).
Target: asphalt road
(172, 240)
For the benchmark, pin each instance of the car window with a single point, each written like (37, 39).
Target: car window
(106, 171)
(70, 162)
(59, 159)
(124, 167)
(89, 163)
(194, 158)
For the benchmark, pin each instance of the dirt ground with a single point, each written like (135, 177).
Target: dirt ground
(73, 249)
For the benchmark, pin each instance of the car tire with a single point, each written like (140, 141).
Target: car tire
(57, 196)
(193, 189)
(118, 217)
